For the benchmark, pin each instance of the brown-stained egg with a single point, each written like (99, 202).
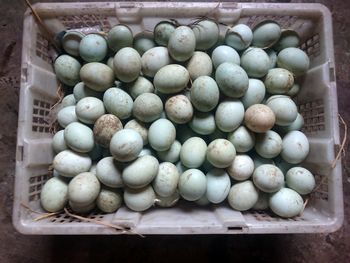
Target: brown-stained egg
(259, 118)
(179, 109)
(105, 127)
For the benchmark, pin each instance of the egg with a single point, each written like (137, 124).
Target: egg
(193, 152)
(82, 208)
(229, 115)
(239, 37)
(259, 118)
(242, 139)
(199, 65)
(146, 151)
(66, 115)
(284, 108)
(204, 94)
(203, 123)
(268, 144)
(301, 180)
(93, 168)
(179, 109)
(71, 41)
(182, 43)
(295, 147)
(89, 109)
(268, 178)
(294, 90)
(168, 201)
(110, 63)
(139, 199)
(166, 180)
(105, 127)
(139, 86)
(263, 201)
(84, 188)
(266, 34)
(147, 107)
(206, 33)
(180, 167)
(93, 48)
(108, 201)
(294, 126)
(140, 172)
(127, 64)
(54, 194)
(143, 41)
(58, 142)
(154, 59)
(80, 91)
(68, 163)
(171, 78)
(109, 172)
(203, 201)
(119, 36)
(272, 56)
(79, 137)
(286, 203)
(172, 154)
(97, 76)
(220, 153)
(293, 59)
(218, 185)
(231, 79)
(140, 127)
(223, 54)
(161, 134)
(255, 93)
(162, 32)
(68, 100)
(126, 145)
(241, 168)
(192, 184)
(242, 196)
(255, 62)
(67, 70)
(118, 102)
(278, 81)
(288, 38)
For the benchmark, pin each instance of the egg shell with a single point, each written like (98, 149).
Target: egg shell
(93, 48)
(284, 108)
(140, 172)
(255, 62)
(203, 201)
(223, 54)
(179, 109)
(242, 139)
(126, 145)
(295, 147)
(171, 79)
(288, 38)
(266, 34)
(84, 188)
(147, 107)
(168, 201)
(182, 43)
(109, 172)
(58, 142)
(294, 90)
(241, 168)
(97, 76)
(255, 93)
(82, 209)
(154, 59)
(268, 178)
(193, 152)
(232, 80)
(204, 94)
(71, 41)
(220, 153)
(119, 36)
(263, 201)
(272, 56)
(139, 199)
(300, 180)
(206, 33)
(166, 181)
(105, 127)
(239, 37)
(67, 70)
(162, 32)
(161, 134)
(127, 64)
(68, 100)
(172, 154)
(203, 123)
(140, 127)
(199, 65)
(293, 59)
(89, 109)
(68, 163)
(268, 144)
(286, 203)
(66, 115)
(143, 42)
(54, 194)
(80, 91)
(118, 102)
(192, 184)
(243, 196)
(139, 86)
(93, 168)
(108, 201)
(259, 118)
(278, 81)
(229, 115)
(218, 185)
(79, 137)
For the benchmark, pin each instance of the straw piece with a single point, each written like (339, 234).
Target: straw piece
(341, 150)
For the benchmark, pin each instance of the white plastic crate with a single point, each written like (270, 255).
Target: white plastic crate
(317, 102)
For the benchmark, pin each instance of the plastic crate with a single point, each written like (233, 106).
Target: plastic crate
(317, 102)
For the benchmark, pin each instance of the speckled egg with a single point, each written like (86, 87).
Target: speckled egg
(140, 127)
(242, 139)
(105, 127)
(182, 43)
(179, 109)
(154, 59)
(67, 70)
(126, 145)
(109, 172)
(220, 153)
(80, 91)
(89, 109)
(166, 180)
(243, 196)
(266, 34)
(268, 144)
(286, 203)
(293, 59)
(58, 142)
(147, 107)
(139, 199)
(229, 115)
(119, 36)
(68, 163)
(79, 137)
(172, 154)
(300, 180)
(93, 48)
(199, 65)
(192, 184)
(295, 147)
(203, 123)
(278, 81)
(255, 62)
(206, 33)
(54, 195)
(118, 102)
(171, 79)
(218, 185)
(84, 188)
(284, 109)
(161, 134)
(204, 94)
(127, 64)
(241, 168)
(259, 118)
(193, 152)
(139, 86)
(97, 76)
(239, 37)
(223, 54)
(255, 93)
(108, 201)
(268, 178)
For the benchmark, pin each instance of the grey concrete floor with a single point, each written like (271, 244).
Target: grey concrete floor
(15, 247)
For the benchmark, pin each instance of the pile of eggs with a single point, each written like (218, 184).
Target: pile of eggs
(182, 113)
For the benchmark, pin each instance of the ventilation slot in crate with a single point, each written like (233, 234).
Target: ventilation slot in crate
(314, 118)
(35, 185)
(312, 46)
(283, 21)
(41, 110)
(268, 216)
(63, 218)
(42, 48)
(79, 21)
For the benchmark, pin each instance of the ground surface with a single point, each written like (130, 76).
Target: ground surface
(15, 247)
